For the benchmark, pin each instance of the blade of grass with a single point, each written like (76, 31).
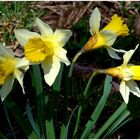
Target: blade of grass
(111, 119)
(123, 123)
(8, 119)
(23, 123)
(100, 106)
(124, 117)
(64, 136)
(31, 119)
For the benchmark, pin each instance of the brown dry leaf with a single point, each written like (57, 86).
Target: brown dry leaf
(64, 15)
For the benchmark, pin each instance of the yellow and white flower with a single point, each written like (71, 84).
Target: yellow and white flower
(46, 48)
(107, 36)
(10, 68)
(127, 73)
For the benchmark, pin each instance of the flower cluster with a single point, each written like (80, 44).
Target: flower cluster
(47, 49)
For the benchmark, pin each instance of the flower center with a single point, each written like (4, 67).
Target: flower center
(37, 49)
(7, 67)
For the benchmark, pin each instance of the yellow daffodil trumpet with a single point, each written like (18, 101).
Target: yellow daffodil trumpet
(45, 48)
(10, 68)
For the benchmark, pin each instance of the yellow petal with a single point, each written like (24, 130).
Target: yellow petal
(116, 25)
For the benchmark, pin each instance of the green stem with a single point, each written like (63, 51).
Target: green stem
(74, 61)
(85, 97)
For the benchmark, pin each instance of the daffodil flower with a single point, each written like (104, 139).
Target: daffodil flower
(127, 73)
(107, 36)
(46, 48)
(10, 68)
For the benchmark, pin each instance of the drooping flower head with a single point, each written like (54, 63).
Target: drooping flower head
(127, 73)
(10, 68)
(46, 48)
(107, 36)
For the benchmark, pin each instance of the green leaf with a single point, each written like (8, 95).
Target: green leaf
(23, 123)
(52, 105)
(86, 97)
(111, 119)
(64, 135)
(31, 119)
(8, 119)
(67, 86)
(123, 117)
(100, 106)
(57, 83)
(40, 97)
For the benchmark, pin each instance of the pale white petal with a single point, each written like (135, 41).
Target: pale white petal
(127, 56)
(109, 36)
(22, 62)
(94, 21)
(51, 67)
(124, 90)
(6, 87)
(62, 36)
(23, 35)
(44, 28)
(119, 50)
(133, 87)
(128, 74)
(112, 53)
(61, 54)
(19, 76)
(5, 51)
